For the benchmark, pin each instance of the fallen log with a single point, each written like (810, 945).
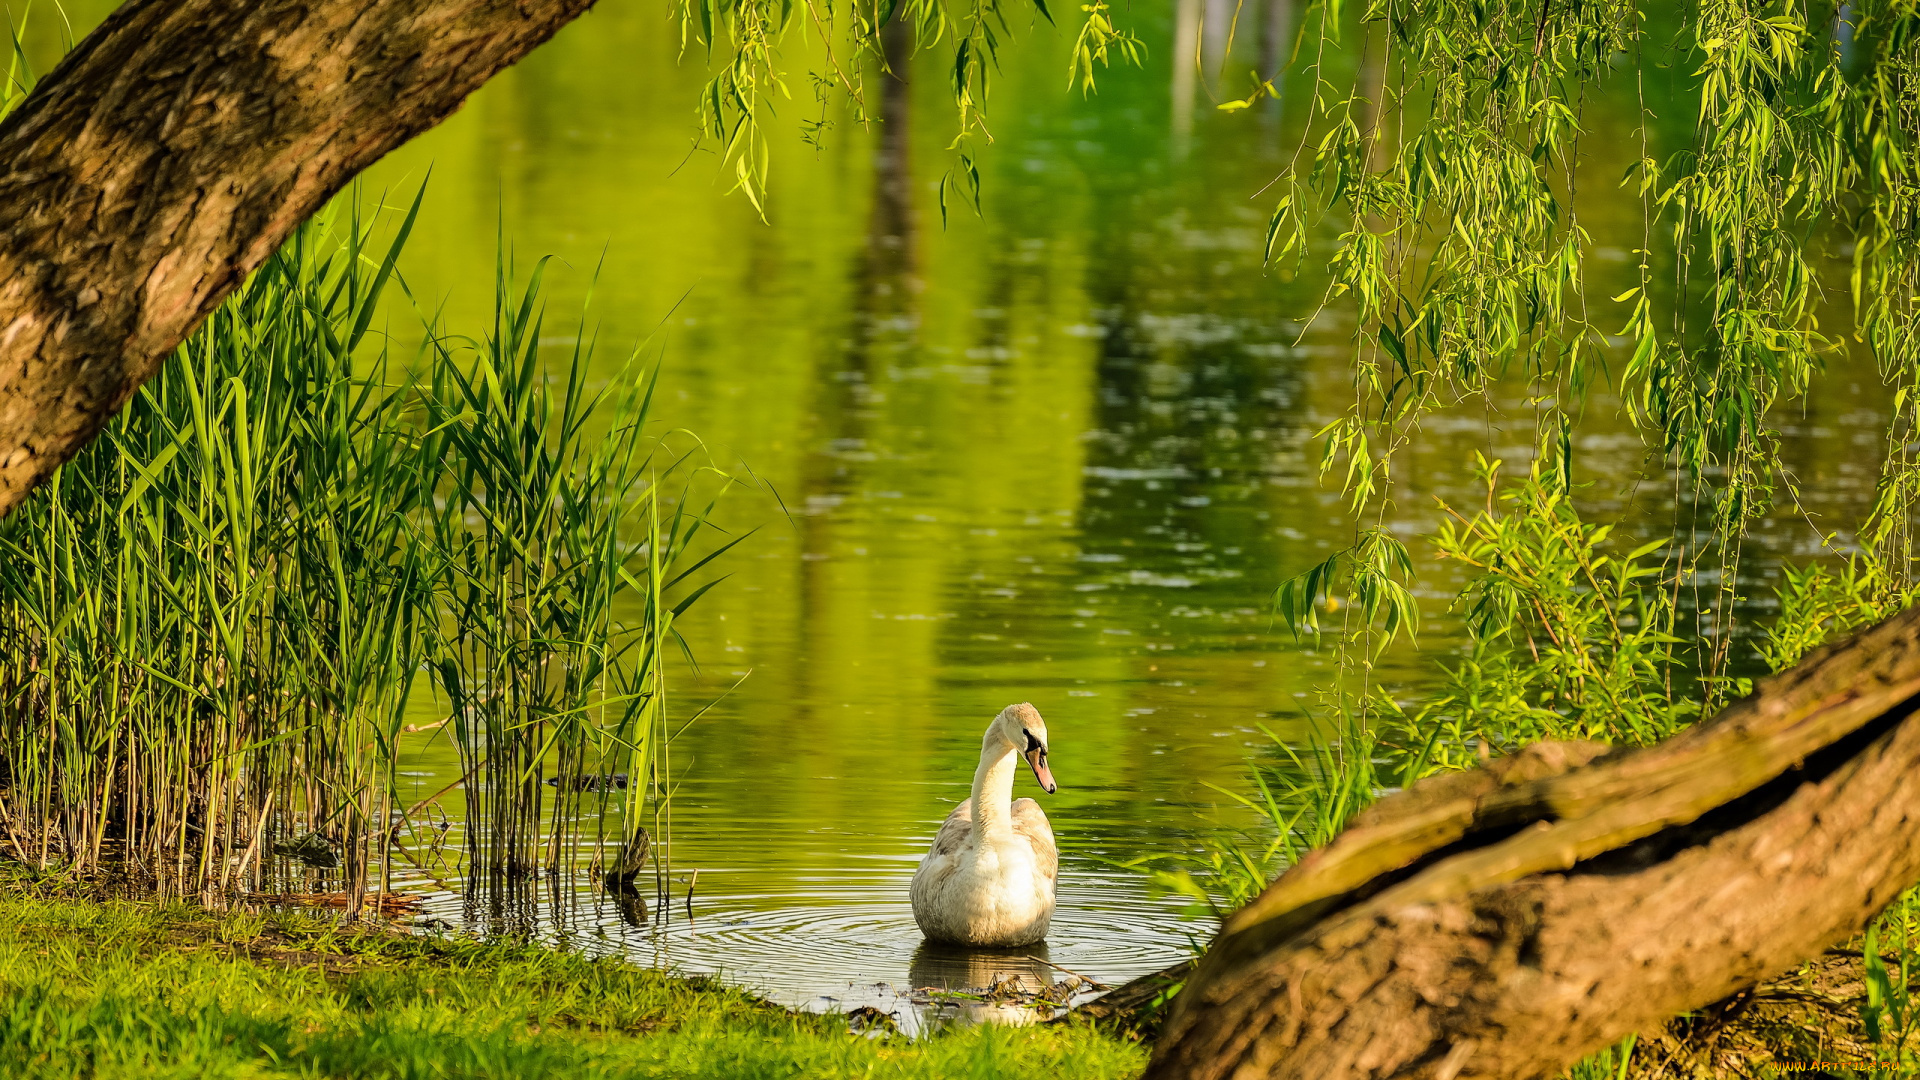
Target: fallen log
(1810, 1013)
(1508, 921)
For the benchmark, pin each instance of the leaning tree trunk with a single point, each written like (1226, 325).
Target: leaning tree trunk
(173, 150)
(1508, 921)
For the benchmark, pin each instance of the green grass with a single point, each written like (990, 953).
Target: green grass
(90, 989)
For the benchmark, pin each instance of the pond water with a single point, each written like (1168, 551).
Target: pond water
(1054, 453)
(1058, 452)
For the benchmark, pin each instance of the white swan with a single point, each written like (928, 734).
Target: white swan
(989, 878)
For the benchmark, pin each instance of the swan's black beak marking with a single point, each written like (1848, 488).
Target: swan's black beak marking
(1036, 755)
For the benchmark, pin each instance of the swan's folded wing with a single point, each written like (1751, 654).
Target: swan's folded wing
(953, 831)
(1031, 822)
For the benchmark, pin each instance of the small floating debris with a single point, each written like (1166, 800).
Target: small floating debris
(590, 782)
(1062, 992)
(310, 848)
(1009, 991)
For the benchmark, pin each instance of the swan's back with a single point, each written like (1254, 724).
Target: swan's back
(953, 836)
(943, 861)
(1029, 823)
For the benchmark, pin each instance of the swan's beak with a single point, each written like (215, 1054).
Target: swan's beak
(1037, 758)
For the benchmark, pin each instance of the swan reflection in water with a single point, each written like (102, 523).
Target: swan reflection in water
(1000, 986)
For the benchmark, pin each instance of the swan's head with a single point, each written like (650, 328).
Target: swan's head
(1020, 726)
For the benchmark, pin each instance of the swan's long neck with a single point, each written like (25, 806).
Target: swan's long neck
(993, 790)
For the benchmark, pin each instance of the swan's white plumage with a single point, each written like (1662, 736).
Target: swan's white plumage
(989, 877)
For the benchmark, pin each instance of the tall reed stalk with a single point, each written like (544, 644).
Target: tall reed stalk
(558, 565)
(215, 618)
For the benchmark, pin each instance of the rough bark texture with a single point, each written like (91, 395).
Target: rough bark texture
(173, 150)
(1508, 921)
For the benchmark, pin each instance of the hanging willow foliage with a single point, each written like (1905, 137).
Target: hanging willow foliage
(745, 36)
(1450, 169)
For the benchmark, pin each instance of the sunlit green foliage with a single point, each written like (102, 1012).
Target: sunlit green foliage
(1373, 571)
(1819, 603)
(1571, 637)
(1452, 169)
(1890, 1013)
(1613, 1063)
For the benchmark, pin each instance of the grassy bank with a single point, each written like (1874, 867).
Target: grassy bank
(138, 989)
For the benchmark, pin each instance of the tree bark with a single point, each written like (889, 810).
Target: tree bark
(1508, 921)
(172, 151)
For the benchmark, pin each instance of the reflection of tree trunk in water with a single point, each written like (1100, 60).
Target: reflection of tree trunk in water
(890, 232)
(1186, 43)
(1276, 25)
(1214, 31)
(884, 287)
(1373, 88)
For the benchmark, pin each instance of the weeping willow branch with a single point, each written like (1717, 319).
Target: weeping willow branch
(746, 37)
(1459, 253)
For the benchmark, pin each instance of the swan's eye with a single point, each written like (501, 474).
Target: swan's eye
(1032, 743)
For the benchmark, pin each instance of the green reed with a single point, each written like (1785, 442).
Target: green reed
(216, 616)
(556, 615)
